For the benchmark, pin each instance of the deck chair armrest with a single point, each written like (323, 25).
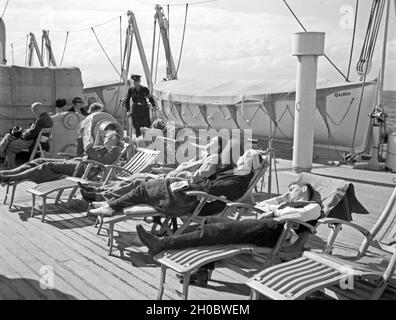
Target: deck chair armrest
(330, 221)
(207, 196)
(238, 205)
(96, 163)
(66, 155)
(112, 168)
(280, 243)
(293, 222)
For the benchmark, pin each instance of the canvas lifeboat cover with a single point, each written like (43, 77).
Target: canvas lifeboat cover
(239, 92)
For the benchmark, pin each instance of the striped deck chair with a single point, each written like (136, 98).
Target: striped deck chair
(37, 149)
(142, 159)
(332, 193)
(44, 189)
(363, 277)
(145, 211)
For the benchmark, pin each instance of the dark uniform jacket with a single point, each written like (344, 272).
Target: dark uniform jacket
(139, 99)
(44, 121)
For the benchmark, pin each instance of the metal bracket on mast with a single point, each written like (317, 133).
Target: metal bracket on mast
(132, 31)
(171, 73)
(33, 46)
(47, 42)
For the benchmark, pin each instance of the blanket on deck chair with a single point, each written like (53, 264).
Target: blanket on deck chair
(339, 200)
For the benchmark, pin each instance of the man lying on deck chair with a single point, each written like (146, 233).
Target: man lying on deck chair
(44, 170)
(169, 195)
(264, 232)
(196, 170)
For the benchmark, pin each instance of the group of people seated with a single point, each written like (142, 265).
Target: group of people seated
(210, 173)
(78, 106)
(19, 139)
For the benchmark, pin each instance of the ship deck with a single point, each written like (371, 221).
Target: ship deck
(68, 244)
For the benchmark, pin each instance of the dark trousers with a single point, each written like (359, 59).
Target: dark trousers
(223, 231)
(43, 170)
(140, 118)
(156, 193)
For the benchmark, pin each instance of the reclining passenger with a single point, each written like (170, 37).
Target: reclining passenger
(263, 232)
(197, 170)
(44, 170)
(16, 141)
(169, 194)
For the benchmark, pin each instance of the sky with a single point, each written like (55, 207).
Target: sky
(225, 39)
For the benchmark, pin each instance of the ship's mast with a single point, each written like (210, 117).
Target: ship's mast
(171, 73)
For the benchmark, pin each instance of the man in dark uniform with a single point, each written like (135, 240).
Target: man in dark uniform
(140, 110)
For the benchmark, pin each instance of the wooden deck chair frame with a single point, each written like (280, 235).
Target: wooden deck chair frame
(291, 281)
(43, 190)
(138, 164)
(36, 148)
(186, 261)
(145, 211)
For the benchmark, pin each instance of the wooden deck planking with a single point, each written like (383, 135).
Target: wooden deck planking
(69, 243)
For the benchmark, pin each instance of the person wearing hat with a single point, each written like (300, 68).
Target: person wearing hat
(14, 143)
(140, 111)
(78, 105)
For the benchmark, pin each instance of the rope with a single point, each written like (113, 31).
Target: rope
(182, 43)
(156, 64)
(27, 49)
(353, 39)
(189, 3)
(12, 53)
(343, 118)
(121, 62)
(104, 51)
(305, 30)
(153, 49)
(5, 8)
(89, 28)
(360, 106)
(64, 48)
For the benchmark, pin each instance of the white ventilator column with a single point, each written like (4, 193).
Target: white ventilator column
(307, 46)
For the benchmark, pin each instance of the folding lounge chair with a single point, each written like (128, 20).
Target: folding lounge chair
(332, 193)
(37, 149)
(145, 211)
(363, 277)
(139, 162)
(46, 188)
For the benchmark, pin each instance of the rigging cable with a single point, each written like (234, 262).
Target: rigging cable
(64, 48)
(118, 103)
(182, 43)
(5, 8)
(189, 3)
(353, 39)
(27, 48)
(156, 64)
(371, 36)
(360, 106)
(104, 51)
(153, 49)
(90, 28)
(305, 30)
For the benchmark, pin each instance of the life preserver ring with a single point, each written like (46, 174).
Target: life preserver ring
(71, 121)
